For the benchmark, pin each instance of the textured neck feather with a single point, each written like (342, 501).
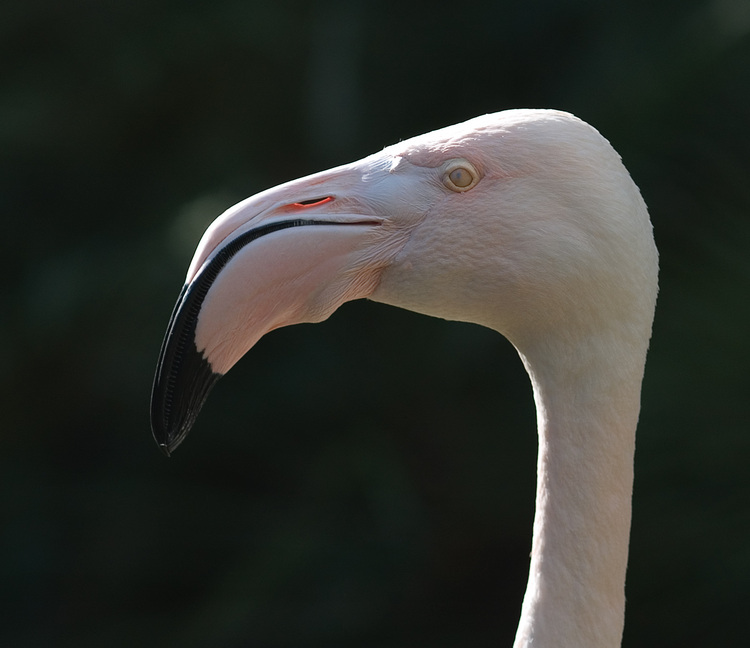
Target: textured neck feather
(587, 408)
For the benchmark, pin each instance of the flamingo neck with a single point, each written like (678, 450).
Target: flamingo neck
(587, 410)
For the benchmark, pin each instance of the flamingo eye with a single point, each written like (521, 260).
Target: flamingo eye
(460, 175)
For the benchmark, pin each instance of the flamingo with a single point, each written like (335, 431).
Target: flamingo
(524, 221)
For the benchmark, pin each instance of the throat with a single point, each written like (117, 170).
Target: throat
(587, 415)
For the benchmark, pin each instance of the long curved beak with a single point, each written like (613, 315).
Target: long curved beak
(287, 255)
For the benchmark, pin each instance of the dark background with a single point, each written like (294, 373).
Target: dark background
(368, 481)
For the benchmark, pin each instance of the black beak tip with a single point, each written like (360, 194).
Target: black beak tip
(180, 390)
(168, 439)
(184, 376)
(165, 440)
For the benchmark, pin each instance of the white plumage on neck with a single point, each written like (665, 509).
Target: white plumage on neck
(586, 417)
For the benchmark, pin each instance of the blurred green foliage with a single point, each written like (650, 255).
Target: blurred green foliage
(368, 481)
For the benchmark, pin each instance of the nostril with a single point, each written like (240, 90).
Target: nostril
(312, 202)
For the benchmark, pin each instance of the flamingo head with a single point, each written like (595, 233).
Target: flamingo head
(524, 221)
